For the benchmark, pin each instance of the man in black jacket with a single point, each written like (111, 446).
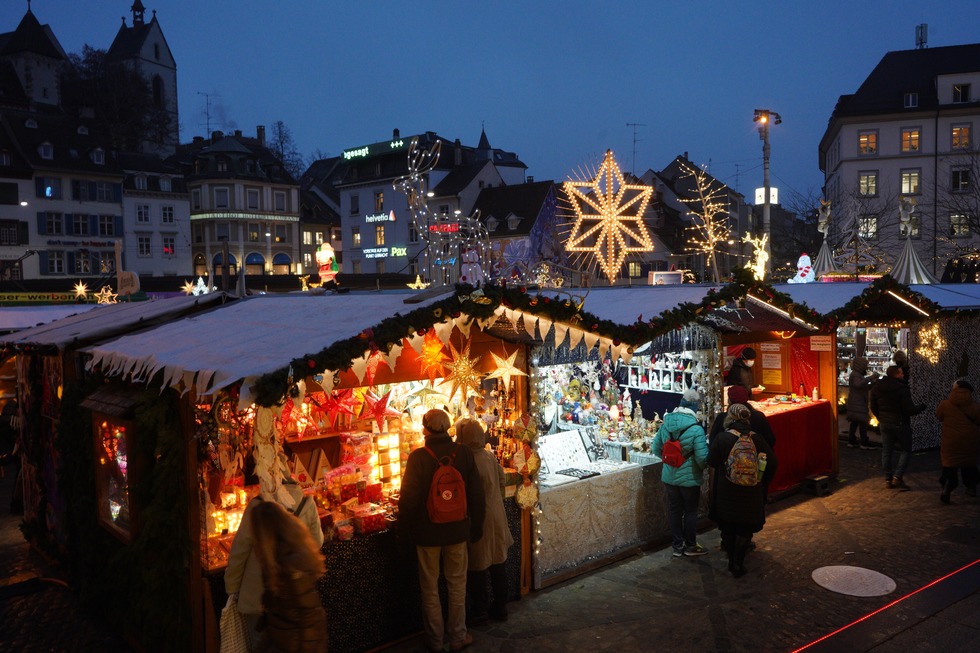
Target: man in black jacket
(741, 371)
(891, 401)
(445, 541)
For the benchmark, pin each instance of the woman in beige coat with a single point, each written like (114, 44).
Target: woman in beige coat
(488, 555)
(960, 442)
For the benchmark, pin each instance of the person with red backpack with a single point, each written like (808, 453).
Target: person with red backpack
(680, 443)
(441, 509)
(744, 463)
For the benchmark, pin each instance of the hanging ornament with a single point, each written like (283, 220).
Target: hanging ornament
(433, 357)
(505, 369)
(463, 374)
(379, 409)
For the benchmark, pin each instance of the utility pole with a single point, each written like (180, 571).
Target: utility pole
(764, 117)
(634, 125)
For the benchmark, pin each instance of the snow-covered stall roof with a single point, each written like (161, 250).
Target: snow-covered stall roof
(823, 297)
(624, 305)
(106, 320)
(951, 296)
(248, 338)
(16, 318)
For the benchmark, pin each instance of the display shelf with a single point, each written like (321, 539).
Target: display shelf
(669, 373)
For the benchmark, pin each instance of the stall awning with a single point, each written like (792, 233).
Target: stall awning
(117, 401)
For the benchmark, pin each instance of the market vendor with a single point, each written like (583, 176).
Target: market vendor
(741, 371)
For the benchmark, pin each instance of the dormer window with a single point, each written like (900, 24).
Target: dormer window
(140, 182)
(222, 165)
(165, 184)
(5, 158)
(46, 150)
(98, 156)
(911, 100)
(30, 123)
(82, 130)
(961, 93)
(512, 222)
(492, 224)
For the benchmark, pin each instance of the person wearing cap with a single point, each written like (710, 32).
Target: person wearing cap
(859, 386)
(741, 370)
(960, 440)
(488, 555)
(739, 510)
(683, 484)
(441, 542)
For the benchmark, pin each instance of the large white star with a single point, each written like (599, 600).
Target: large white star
(505, 369)
(614, 226)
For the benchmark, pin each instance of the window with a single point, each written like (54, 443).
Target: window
(961, 137)
(198, 230)
(868, 226)
(318, 237)
(196, 199)
(107, 225)
(307, 260)
(9, 232)
(868, 142)
(413, 233)
(49, 187)
(959, 225)
(107, 262)
(355, 236)
(910, 139)
(915, 226)
(167, 214)
(252, 229)
(379, 235)
(279, 200)
(103, 191)
(961, 93)
(165, 184)
(868, 183)
(143, 246)
(911, 100)
(54, 224)
(444, 209)
(79, 225)
(169, 246)
(910, 181)
(308, 238)
(143, 213)
(379, 266)
(413, 268)
(252, 199)
(379, 201)
(356, 267)
(355, 204)
(46, 151)
(56, 262)
(5, 159)
(282, 233)
(222, 231)
(221, 165)
(83, 262)
(140, 182)
(112, 473)
(634, 269)
(98, 157)
(221, 198)
(960, 180)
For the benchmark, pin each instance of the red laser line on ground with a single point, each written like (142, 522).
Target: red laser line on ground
(885, 607)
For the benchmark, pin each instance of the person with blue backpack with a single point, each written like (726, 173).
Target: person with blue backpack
(744, 463)
(680, 443)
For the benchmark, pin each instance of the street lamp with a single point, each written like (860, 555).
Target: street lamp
(764, 117)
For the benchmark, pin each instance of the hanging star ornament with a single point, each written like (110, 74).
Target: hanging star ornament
(608, 217)
(378, 408)
(432, 358)
(505, 369)
(463, 374)
(106, 296)
(81, 290)
(187, 288)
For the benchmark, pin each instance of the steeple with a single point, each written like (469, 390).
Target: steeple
(138, 11)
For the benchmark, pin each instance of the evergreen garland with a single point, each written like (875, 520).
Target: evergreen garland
(872, 295)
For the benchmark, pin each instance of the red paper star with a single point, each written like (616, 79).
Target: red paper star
(432, 357)
(340, 402)
(378, 407)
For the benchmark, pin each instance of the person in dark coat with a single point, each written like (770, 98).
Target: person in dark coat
(757, 420)
(859, 386)
(739, 510)
(891, 401)
(741, 371)
(901, 359)
(445, 542)
(960, 442)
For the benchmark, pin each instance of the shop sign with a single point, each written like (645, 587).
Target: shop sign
(399, 251)
(772, 378)
(444, 228)
(40, 297)
(374, 149)
(380, 217)
(820, 343)
(445, 261)
(376, 252)
(83, 243)
(772, 361)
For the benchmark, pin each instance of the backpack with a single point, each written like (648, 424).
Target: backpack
(447, 492)
(673, 454)
(742, 465)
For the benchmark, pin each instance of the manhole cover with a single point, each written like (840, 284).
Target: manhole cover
(853, 581)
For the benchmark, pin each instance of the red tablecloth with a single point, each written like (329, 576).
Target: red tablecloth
(804, 436)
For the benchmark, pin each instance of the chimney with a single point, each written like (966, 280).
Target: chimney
(260, 134)
(216, 136)
(238, 133)
(198, 139)
(457, 153)
(395, 134)
(530, 179)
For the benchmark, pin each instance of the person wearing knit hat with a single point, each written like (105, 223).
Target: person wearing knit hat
(741, 370)
(739, 510)
(682, 476)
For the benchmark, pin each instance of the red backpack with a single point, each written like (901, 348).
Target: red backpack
(672, 453)
(447, 492)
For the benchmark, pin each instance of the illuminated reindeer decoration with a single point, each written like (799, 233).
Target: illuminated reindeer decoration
(451, 239)
(760, 256)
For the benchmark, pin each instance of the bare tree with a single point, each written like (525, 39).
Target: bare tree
(282, 145)
(865, 234)
(710, 223)
(796, 231)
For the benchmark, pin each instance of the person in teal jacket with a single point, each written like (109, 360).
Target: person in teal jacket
(683, 484)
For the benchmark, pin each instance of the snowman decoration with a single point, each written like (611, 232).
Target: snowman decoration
(470, 270)
(804, 270)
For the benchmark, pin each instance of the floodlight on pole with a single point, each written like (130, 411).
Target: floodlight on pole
(765, 117)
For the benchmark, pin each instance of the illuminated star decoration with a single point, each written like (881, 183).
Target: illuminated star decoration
(200, 288)
(379, 409)
(339, 402)
(81, 290)
(418, 284)
(187, 288)
(614, 227)
(106, 296)
(433, 356)
(505, 369)
(463, 374)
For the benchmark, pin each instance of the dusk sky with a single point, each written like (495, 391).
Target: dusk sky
(554, 82)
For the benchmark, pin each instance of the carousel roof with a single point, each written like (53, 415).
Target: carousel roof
(908, 269)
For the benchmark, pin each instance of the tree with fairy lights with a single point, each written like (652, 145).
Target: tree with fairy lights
(710, 218)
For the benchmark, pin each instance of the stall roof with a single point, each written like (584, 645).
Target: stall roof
(108, 320)
(823, 297)
(247, 338)
(16, 318)
(624, 305)
(951, 296)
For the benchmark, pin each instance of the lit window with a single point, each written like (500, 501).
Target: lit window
(281, 233)
(112, 474)
(379, 235)
(253, 232)
(379, 201)
(49, 188)
(169, 246)
(910, 182)
(959, 225)
(107, 262)
(83, 262)
(910, 139)
(868, 142)
(915, 226)
(868, 183)
(308, 238)
(634, 269)
(355, 237)
(318, 237)
(961, 137)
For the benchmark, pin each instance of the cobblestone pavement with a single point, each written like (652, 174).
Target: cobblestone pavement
(655, 602)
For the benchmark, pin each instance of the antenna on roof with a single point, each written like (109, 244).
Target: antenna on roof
(921, 36)
(634, 125)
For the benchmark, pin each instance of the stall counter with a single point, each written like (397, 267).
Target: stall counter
(804, 440)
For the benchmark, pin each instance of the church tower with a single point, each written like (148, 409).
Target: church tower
(37, 58)
(143, 47)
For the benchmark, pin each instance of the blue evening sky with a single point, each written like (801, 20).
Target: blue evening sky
(555, 82)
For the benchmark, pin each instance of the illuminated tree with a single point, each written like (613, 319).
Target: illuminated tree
(710, 223)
